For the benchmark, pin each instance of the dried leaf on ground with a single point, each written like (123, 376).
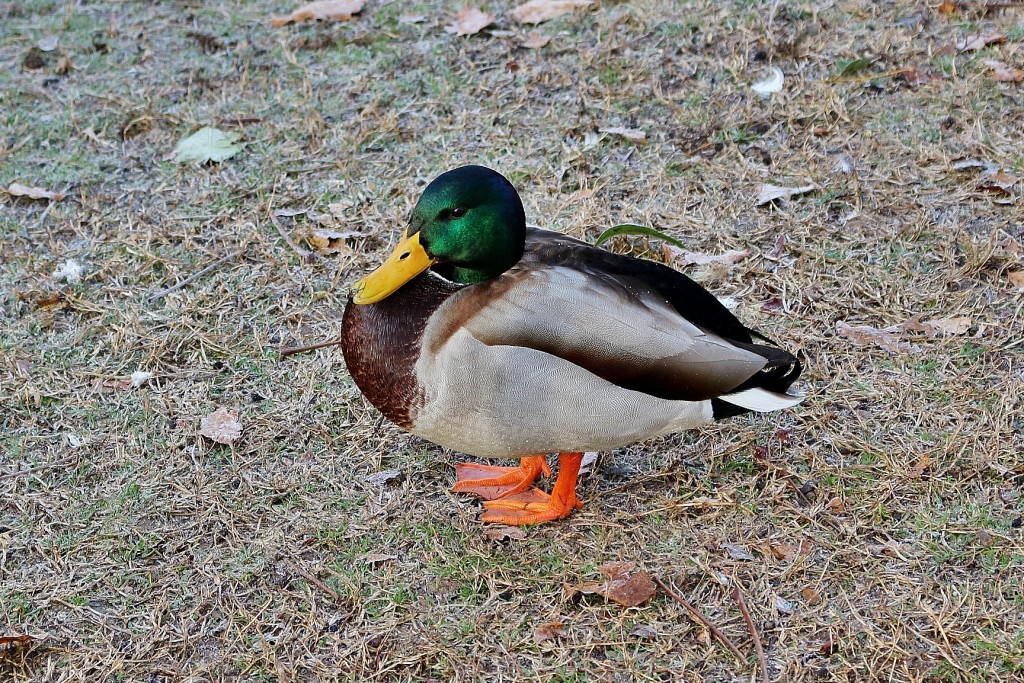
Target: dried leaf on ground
(13, 641)
(917, 471)
(70, 271)
(936, 327)
(373, 558)
(865, 335)
(626, 588)
(769, 193)
(1016, 278)
(947, 7)
(330, 241)
(589, 458)
(535, 39)
(998, 180)
(222, 426)
(330, 10)
(772, 84)
(1003, 72)
(499, 532)
(684, 257)
(207, 144)
(644, 631)
(19, 190)
(628, 133)
(470, 20)
(791, 551)
(980, 40)
(737, 552)
(810, 596)
(545, 632)
(536, 11)
(783, 605)
(382, 477)
(917, 76)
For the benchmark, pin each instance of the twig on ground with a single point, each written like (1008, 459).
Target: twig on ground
(724, 639)
(38, 468)
(737, 595)
(284, 353)
(195, 276)
(303, 253)
(315, 581)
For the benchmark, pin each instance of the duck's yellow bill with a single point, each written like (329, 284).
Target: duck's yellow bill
(408, 260)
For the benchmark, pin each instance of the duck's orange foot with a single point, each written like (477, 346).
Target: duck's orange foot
(530, 507)
(491, 482)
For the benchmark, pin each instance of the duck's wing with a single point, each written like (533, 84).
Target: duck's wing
(617, 318)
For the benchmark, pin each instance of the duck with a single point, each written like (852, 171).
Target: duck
(503, 341)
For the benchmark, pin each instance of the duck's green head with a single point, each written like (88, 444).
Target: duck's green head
(469, 225)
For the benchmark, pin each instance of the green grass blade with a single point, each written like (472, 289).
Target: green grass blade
(630, 229)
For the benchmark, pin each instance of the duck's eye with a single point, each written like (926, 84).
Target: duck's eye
(458, 212)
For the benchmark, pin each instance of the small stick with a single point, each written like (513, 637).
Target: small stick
(284, 353)
(303, 254)
(737, 595)
(195, 276)
(724, 639)
(38, 468)
(316, 582)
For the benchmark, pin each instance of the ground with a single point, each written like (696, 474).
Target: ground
(874, 530)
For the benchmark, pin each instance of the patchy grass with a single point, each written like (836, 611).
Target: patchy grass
(134, 550)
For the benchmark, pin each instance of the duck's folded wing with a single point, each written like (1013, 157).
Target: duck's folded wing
(616, 327)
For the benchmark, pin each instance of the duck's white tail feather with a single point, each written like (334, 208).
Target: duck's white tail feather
(762, 400)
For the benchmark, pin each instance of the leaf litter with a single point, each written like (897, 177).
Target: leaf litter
(327, 10)
(469, 21)
(538, 11)
(623, 585)
(221, 426)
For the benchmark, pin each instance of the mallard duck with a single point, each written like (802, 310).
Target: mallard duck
(502, 341)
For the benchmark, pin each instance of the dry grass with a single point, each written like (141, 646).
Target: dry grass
(136, 551)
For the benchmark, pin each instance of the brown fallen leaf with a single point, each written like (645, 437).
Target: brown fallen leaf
(791, 551)
(865, 335)
(917, 77)
(977, 42)
(19, 190)
(917, 471)
(945, 51)
(737, 552)
(535, 39)
(498, 532)
(536, 11)
(222, 426)
(936, 327)
(769, 193)
(1003, 72)
(14, 641)
(382, 477)
(470, 20)
(629, 590)
(330, 241)
(327, 10)
(997, 180)
(628, 133)
(374, 558)
(947, 7)
(810, 596)
(545, 632)
(1016, 278)
(684, 257)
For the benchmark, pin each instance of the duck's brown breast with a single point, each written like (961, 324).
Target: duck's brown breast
(381, 343)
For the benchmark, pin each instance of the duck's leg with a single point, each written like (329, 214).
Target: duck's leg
(491, 482)
(535, 506)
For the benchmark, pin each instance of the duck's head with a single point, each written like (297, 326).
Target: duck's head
(468, 224)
